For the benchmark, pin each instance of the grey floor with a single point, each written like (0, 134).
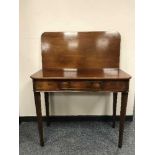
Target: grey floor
(76, 138)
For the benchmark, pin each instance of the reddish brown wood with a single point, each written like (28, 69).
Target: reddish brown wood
(39, 116)
(94, 55)
(81, 85)
(122, 117)
(80, 50)
(46, 95)
(85, 74)
(114, 108)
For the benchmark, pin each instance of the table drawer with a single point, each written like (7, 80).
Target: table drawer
(106, 85)
(81, 85)
(41, 85)
(74, 85)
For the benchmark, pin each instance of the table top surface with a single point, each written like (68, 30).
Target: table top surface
(90, 74)
(80, 50)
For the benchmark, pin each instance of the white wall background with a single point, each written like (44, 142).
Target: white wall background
(38, 16)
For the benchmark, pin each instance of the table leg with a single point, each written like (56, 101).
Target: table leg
(39, 116)
(122, 117)
(114, 108)
(46, 95)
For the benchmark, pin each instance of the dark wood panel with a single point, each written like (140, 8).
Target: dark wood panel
(80, 50)
(83, 85)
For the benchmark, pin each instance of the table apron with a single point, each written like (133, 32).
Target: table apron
(81, 85)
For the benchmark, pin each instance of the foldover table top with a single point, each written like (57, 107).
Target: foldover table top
(98, 74)
(80, 55)
(80, 61)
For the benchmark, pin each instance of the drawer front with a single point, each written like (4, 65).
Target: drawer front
(106, 85)
(74, 85)
(41, 85)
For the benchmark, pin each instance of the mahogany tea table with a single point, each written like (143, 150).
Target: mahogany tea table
(80, 62)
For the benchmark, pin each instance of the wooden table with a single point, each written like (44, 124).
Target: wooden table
(80, 61)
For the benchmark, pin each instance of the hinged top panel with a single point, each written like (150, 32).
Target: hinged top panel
(80, 50)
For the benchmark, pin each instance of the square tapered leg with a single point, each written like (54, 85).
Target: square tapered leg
(114, 108)
(39, 116)
(122, 117)
(46, 95)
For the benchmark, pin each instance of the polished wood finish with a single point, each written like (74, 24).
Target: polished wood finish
(46, 96)
(80, 50)
(84, 74)
(39, 116)
(80, 61)
(114, 108)
(107, 79)
(84, 85)
(122, 117)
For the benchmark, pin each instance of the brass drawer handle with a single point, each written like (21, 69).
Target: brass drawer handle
(65, 85)
(50, 84)
(95, 84)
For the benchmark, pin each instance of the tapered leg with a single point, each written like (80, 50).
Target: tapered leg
(39, 116)
(46, 95)
(122, 117)
(114, 108)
